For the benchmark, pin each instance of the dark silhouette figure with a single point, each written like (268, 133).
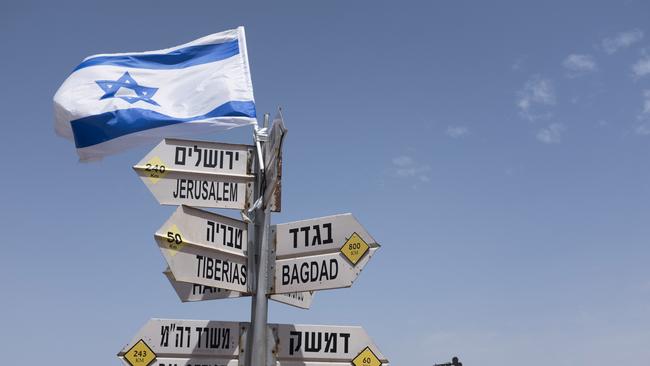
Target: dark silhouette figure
(454, 362)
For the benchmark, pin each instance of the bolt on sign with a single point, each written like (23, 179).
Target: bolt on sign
(319, 254)
(205, 248)
(199, 173)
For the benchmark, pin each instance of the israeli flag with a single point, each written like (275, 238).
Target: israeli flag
(111, 102)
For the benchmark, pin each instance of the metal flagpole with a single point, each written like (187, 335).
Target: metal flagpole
(257, 336)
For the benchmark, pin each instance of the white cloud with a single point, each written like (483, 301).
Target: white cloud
(536, 93)
(622, 40)
(457, 131)
(577, 64)
(642, 67)
(644, 128)
(402, 161)
(551, 134)
(519, 63)
(406, 167)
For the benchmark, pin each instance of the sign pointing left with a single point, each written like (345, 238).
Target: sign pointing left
(190, 292)
(183, 342)
(204, 248)
(199, 173)
(165, 342)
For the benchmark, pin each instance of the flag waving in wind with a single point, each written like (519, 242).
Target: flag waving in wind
(112, 102)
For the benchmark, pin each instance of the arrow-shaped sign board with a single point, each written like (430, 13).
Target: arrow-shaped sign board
(199, 173)
(324, 344)
(204, 248)
(190, 292)
(273, 165)
(301, 300)
(318, 254)
(163, 342)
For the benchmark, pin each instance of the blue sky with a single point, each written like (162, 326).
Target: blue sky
(498, 152)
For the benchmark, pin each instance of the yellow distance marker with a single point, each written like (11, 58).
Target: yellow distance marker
(140, 354)
(354, 248)
(366, 358)
(174, 240)
(155, 169)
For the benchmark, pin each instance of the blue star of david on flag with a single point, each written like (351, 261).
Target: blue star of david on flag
(142, 93)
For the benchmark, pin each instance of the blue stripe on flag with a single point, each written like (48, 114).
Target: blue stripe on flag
(177, 59)
(93, 130)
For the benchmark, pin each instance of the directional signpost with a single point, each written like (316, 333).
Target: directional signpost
(318, 254)
(190, 292)
(199, 173)
(326, 345)
(212, 256)
(165, 342)
(204, 248)
(273, 168)
(301, 300)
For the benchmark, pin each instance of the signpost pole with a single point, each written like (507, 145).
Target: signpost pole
(257, 343)
(260, 317)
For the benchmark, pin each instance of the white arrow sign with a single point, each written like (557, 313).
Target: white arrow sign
(323, 344)
(189, 292)
(320, 235)
(164, 342)
(273, 165)
(318, 254)
(199, 173)
(204, 248)
(183, 342)
(301, 300)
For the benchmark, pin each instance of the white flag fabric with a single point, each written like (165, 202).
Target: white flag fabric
(112, 102)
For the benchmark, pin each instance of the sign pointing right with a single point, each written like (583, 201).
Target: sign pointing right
(326, 345)
(318, 254)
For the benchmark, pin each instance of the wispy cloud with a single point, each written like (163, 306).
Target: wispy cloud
(644, 128)
(406, 167)
(646, 102)
(519, 63)
(537, 93)
(642, 67)
(622, 40)
(577, 64)
(551, 134)
(457, 131)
